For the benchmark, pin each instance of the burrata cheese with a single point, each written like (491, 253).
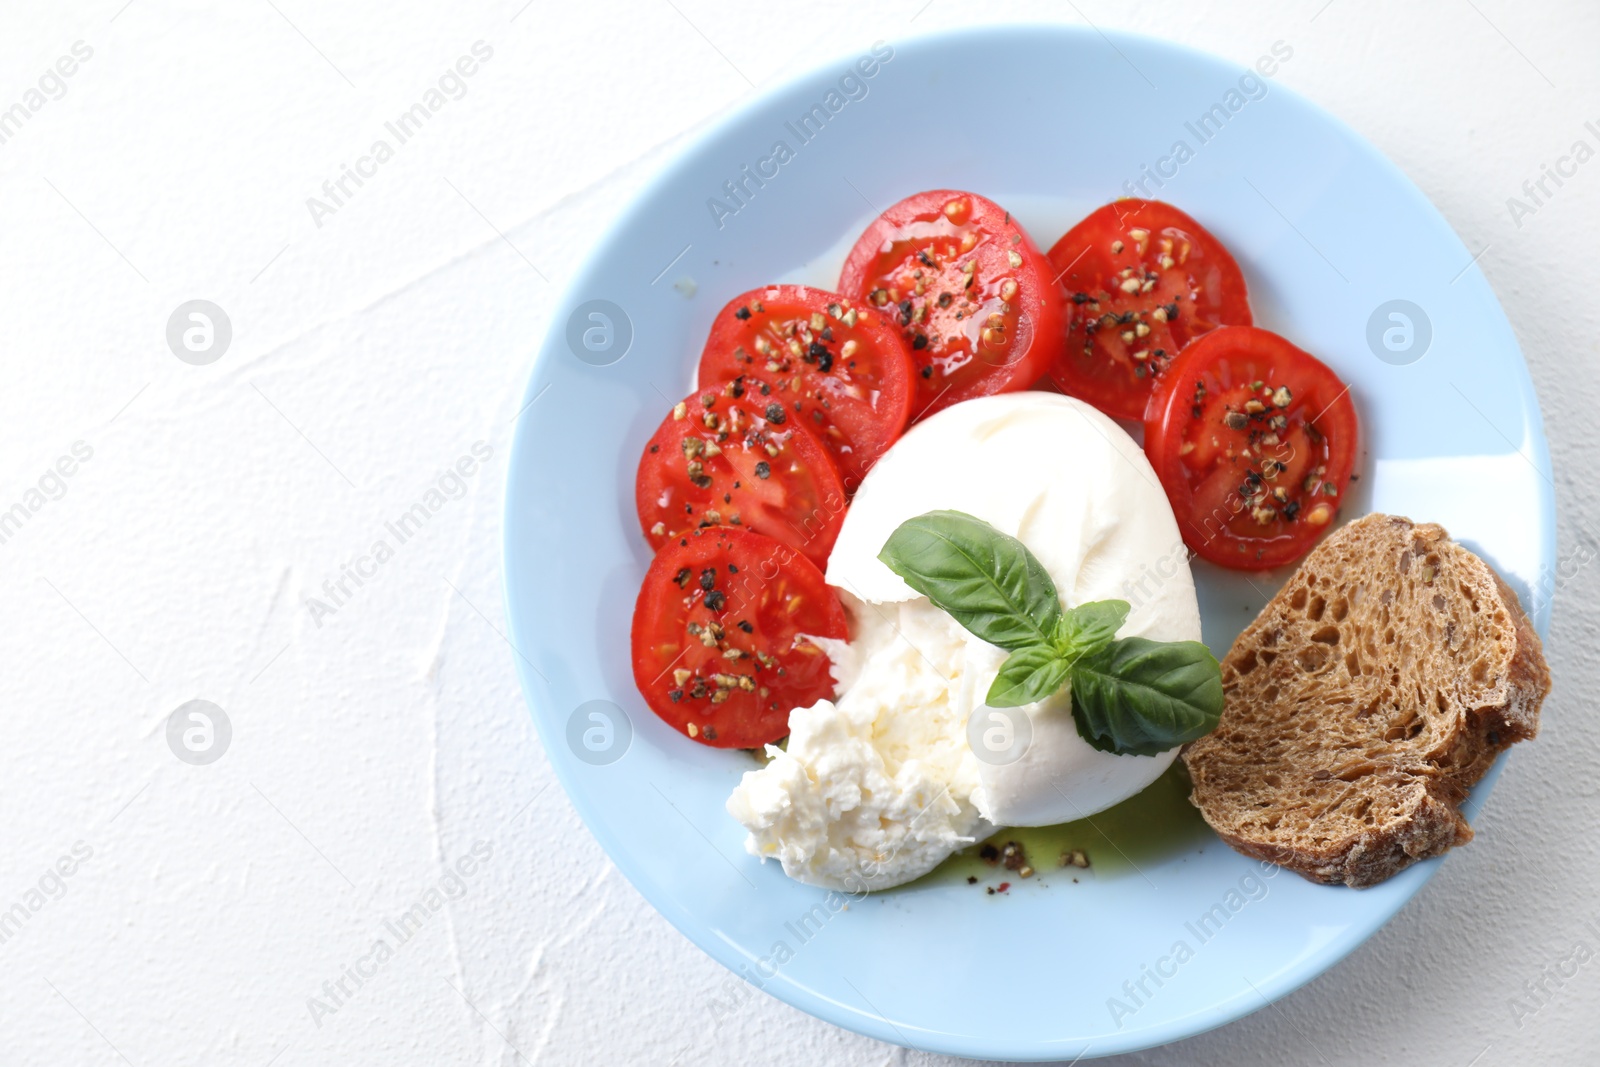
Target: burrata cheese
(880, 785)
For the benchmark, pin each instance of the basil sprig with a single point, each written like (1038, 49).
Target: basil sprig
(988, 582)
(1129, 696)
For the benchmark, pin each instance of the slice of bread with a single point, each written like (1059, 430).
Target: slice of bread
(1364, 702)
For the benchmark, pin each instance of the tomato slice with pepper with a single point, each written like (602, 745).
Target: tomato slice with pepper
(720, 648)
(718, 460)
(973, 296)
(1254, 441)
(1144, 279)
(840, 368)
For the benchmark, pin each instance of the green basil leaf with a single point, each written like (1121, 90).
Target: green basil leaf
(986, 580)
(1142, 697)
(1028, 675)
(1088, 628)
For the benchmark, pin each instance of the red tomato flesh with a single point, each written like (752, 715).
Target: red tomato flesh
(971, 293)
(717, 460)
(839, 368)
(1144, 280)
(1254, 441)
(719, 636)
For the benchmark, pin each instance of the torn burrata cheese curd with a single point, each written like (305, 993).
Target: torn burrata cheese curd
(873, 789)
(880, 785)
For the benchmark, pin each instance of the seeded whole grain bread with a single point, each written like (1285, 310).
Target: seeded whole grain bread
(1364, 702)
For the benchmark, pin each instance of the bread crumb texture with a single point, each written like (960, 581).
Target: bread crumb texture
(1364, 702)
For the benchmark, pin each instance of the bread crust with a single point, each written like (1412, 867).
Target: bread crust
(1365, 701)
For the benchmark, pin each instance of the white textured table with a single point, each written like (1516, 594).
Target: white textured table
(209, 530)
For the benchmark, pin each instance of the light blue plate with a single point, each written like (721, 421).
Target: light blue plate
(1050, 121)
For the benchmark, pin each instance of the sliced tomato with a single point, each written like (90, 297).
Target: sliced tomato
(972, 294)
(1144, 280)
(719, 460)
(840, 369)
(1254, 441)
(720, 647)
